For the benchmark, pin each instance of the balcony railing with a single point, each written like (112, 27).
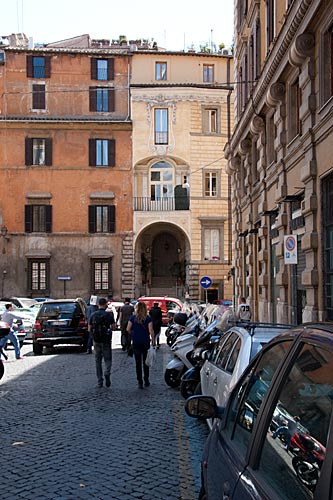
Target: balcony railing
(146, 204)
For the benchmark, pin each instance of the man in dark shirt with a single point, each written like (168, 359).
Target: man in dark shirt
(156, 315)
(101, 324)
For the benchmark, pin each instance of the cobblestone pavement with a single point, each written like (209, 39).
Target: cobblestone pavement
(63, 438)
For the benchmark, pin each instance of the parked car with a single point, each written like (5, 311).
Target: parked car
(62, 321)
(20, 301)
(165, 303)
(241, 459)
(231, 355)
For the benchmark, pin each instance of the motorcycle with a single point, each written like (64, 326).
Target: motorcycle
(183, 347)
(307, 460)
(190, 380)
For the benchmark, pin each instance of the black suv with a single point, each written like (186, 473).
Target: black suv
(62, 321)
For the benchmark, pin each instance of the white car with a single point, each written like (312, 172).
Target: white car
(27, 315)
(231, 355)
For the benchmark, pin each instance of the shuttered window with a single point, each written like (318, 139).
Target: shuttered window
(38, 218)
(38, 96)
(38, 151)
(102, 69)
(102, 152)
(39, 275)
(38, 67)
(101, 277)
(101, 99)
(102, 219)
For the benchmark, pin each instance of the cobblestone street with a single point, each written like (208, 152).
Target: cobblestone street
(65, 439)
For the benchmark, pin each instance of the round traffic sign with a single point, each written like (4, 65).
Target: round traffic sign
(206, 282)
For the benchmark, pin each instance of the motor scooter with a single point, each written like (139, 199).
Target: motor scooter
(182, 350)
(190, 380)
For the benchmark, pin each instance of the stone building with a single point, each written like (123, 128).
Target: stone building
(112, 158)
(280, 158)
(65, 170)
(182, 118)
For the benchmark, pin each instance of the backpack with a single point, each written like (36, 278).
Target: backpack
(100, 327)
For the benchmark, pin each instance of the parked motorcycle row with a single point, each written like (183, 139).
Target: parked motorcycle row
(191, 335)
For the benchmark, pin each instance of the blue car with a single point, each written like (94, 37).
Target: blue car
(242, 459)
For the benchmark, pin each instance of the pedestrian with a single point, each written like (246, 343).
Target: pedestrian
(140, 326)
(126, 311)
(8, 317)
(287, 430)
(156, 315)
(101, 325)
(244, 312)
(93, 307)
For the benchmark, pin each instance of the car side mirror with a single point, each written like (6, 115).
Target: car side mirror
(203, 407)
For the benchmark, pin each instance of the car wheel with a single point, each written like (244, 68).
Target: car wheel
(37, 349)
(172, 377)
(187, 388)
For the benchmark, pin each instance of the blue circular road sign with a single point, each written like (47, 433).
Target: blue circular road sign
(206, 282)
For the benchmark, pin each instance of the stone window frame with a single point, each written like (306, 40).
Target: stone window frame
(39, 262)
(326, 59)
(206, 110)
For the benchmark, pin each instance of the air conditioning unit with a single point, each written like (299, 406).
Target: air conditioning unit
(225, 52)
(133, 47)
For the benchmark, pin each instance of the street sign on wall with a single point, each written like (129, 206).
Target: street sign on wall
(290, 249)
(206, 282)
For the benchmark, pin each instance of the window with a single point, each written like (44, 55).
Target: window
(299, 425)
(208, 73)
(38, 275)
(101, 99)
(38, 67)
(211, 184)
(160, 71)
(225, 359)
(210, 120)
(101, 275)
(271, 135)
(102, 152)
(102, 69)
(327, 226)
(38, 218)
(102, 219)
(38, 151)
(161, 125)
(327, 65)
(270, 20)
(38, 97)
(295, 101)
(161, 181)
(211, 244)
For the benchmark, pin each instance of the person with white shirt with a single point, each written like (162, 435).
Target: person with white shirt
(244, 312)
(8, 317)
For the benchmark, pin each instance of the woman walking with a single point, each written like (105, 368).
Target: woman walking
(140, 326)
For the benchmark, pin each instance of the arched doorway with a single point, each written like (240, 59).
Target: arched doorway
(164, 255)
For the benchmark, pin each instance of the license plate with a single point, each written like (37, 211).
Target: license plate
(59, 322)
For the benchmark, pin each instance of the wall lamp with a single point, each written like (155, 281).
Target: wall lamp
(4, 232)
(243, 234)
(254, 230)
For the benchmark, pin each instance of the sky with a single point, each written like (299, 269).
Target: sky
(174, 25)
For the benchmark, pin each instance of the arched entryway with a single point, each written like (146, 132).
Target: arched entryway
(162, 256)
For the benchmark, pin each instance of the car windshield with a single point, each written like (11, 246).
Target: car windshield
(49, 310)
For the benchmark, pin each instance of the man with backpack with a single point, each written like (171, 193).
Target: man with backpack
(101, 325)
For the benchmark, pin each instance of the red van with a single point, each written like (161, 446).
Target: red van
(165, 303)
